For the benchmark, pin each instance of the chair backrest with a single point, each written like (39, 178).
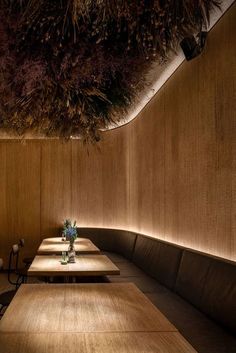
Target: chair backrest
(14, 257)
(21, 242)
(13, 263)
(1, 264)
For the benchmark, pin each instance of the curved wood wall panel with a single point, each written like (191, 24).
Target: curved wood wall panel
(171, 173)
(183, 148)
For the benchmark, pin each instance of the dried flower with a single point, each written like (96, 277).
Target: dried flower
(71, 67)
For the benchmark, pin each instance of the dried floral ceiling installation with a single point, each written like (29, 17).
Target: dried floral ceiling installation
(71, 67)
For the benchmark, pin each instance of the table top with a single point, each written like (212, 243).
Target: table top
(131, 342)
(56, 246)
(103, 307)
(85, 265)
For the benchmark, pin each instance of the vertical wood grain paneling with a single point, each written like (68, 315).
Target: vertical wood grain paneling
(114, 179)
(181, 156)
(158, 190)
(87, 200)
(3, 202)
(225, 129)
(198, 158)
(56, 187)
(20, 216)
(147, 169)
(99, 182)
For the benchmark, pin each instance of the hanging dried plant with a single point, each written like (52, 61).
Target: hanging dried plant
(71, 67)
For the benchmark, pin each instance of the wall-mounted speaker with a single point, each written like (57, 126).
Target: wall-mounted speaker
(193, 46)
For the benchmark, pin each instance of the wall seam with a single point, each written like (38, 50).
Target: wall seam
(40, 191)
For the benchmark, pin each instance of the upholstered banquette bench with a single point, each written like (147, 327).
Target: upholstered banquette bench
(195, 291)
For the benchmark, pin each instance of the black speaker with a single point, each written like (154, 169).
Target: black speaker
(192, 47)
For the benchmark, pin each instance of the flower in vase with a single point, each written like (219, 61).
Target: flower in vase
(70, 230)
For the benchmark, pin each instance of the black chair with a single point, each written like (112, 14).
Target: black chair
(15, 277)
(27, 260)
(6, 297)
(13, 265)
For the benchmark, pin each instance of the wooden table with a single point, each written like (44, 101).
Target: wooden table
(56, 246)
(87, 318)
(85, 265)
(89, 307)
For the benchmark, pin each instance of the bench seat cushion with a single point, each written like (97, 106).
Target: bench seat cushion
(192, 277)
(116, 258)
(209, 283)
(219, 295)
(144, 283)
(158, 259)
(146, 253)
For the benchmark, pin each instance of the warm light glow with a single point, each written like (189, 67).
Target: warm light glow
(165, 237)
